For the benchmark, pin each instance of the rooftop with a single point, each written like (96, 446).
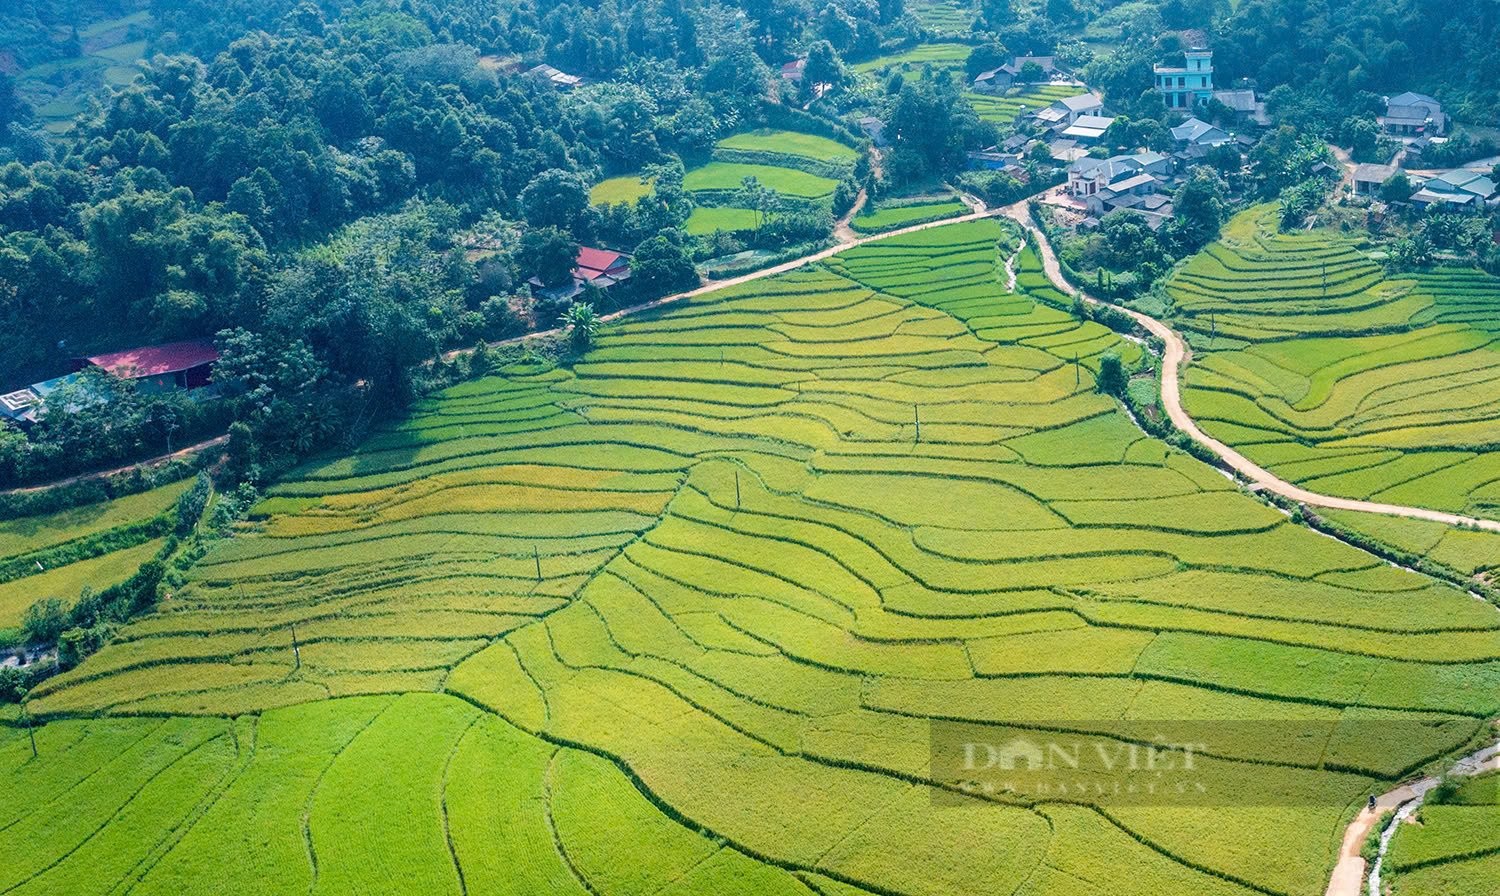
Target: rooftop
(1411, 99)
(1373, 174)
(1080, 102)
(154, 360)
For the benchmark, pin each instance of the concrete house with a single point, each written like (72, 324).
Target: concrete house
(1460, 188)
(600, 268)
(553, 77)
(1088, 130)
(1413, 115)
(1246, 108)
(1189, 85)
(1066, 112)
(1128, 182)
(1196, 132)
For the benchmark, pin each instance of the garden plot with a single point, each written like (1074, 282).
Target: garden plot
(705, 594)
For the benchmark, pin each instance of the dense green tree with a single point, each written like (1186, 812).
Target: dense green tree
(1397, 188)
(661, 265)
(984, 57)
(1112, 377)
(1199, 209)
(45, 620)
(556, 198)
(549, 254)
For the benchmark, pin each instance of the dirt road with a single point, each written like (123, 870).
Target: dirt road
(159, 459)
(1176, 355)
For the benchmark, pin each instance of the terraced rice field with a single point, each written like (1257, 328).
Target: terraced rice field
(627, 189)
(707, 219)
(1005, 108)
(98, 545)
(1330, 374)
(790, 143)
(944, 17)
(897, 216)
(1454, 848)
(941, 56)
(726, 177)
(681, 619)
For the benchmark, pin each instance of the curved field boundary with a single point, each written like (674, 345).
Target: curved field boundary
(1175, 355)
(712, 285)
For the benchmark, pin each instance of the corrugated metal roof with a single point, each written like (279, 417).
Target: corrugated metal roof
(153, 360)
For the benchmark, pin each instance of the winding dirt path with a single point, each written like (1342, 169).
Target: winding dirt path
(711, 285)
(1349, 874)
(1176, 355)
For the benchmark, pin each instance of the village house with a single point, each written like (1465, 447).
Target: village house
(1368, 178)
(1196, 132)
(1087, 130)
(1413, 115)
(791, 72)
(1007, 76)
(599, 268)
(1123, 183)
(1460, 188)
(1065, 112)
(155, 368)
(159, 368)
(874, 128)
(1189, 85)
(1246, 108)
(552, 77)
(23, 406)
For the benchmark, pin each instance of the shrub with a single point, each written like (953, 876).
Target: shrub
(192, 502)
(45, 620)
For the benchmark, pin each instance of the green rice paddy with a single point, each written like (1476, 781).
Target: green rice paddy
(1316, 365)
(896, 216)
(941, 56)
(726, 177)
(1452, 847)
(627, 189)
(1007, 107)
(792, 143)
(680, 619)
(707, 219)
(95, 546)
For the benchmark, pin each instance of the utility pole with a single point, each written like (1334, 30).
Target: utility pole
(736, 489)
(916, 415)
(26, 717)
(296, 650)
(1077, 372)
(536, 555)
(1213, 326)
(1325, 279)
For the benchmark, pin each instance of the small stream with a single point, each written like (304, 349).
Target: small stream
(1403, 812)
(1478, 762)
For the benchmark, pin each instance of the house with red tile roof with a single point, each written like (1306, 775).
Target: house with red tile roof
(599, 268)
